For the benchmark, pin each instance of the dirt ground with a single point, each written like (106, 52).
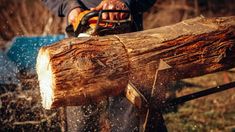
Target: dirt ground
(212, 113)
(20, 107)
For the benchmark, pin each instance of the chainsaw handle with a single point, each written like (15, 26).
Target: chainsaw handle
(91, 14)
(88, 16)
(69, 29)
(85, 21)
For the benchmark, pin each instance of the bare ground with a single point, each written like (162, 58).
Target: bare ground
(211, 113)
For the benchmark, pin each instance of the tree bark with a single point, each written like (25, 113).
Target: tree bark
(76, 71)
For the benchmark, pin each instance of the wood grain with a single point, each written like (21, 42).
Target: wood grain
(88, 69)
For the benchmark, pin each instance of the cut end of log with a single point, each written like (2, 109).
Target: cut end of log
(45, 78)
(80, 73)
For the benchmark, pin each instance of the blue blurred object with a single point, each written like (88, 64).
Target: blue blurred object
(24, 50)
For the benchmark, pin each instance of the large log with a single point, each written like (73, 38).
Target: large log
(76, 71)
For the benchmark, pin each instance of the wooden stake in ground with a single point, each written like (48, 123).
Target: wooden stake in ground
(77, 71)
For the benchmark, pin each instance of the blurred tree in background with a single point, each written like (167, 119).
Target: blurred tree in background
(167, 12)
(30, 17)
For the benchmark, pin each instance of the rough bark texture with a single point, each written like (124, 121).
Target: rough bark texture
(86, 69)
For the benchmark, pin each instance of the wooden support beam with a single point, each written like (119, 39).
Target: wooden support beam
(77, 71)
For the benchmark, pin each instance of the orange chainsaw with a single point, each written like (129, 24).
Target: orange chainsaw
(90, 23)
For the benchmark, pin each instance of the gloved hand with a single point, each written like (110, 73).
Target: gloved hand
(73, 14)
(112, 5)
